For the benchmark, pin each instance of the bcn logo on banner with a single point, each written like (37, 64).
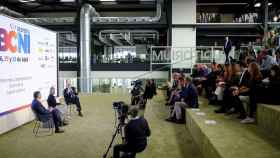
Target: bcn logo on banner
(14, 41)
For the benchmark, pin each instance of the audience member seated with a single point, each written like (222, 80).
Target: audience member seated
(43, 114)
(242, 96)
(268, 91)
(232, 80)
(210, 83)
(266, 63)
(175, 94)
(173, 87)
(220, 84)
(71, 97)
(199, 76)
(277, 53)
(188, 98)
(255, 79)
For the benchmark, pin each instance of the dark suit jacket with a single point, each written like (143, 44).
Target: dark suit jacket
(40, 111)
(244, 81)
(69, 96)
(227, 48)
(191, 96)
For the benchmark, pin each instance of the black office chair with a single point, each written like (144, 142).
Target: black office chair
(39, 123)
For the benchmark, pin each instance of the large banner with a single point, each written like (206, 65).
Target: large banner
(28, 62)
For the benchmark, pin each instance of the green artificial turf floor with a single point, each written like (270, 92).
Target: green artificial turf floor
(89, 136)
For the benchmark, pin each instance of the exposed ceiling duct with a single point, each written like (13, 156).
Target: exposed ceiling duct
(119, 20)
(116, 40)
(87, 11)
(128, 36)
(100, 20)
(10, 12)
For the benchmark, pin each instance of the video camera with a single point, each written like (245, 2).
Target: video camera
(136, 83)
(122, 110)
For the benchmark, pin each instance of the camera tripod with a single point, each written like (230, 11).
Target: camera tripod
(119, 130)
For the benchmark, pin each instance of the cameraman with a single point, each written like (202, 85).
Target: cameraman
(136, 132)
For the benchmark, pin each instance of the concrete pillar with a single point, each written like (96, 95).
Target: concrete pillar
(184, 31)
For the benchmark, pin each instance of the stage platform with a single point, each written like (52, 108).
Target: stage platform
(220, 136)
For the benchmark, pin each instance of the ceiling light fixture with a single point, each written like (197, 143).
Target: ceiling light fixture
(67, 0)
(26, 1)
(257, 5)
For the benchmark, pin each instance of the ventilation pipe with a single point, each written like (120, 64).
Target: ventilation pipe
(10, 12)
(87, 14)
(127, 34)
(131, 20)
(87, 11)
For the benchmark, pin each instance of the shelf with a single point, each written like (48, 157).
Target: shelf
(220, 25)
(227, 25)
(274, 23)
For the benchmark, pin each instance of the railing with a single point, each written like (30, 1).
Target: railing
(67, 54)
(105, 85)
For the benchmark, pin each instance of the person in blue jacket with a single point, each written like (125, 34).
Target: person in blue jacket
(44, 114)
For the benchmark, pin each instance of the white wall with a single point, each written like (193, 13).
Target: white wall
(183, 11)
(16, 119)
(183, 35)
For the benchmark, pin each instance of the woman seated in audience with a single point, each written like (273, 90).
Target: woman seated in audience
(220, 84)
(200, 76)
(173, 87)
(175, 94)
(210, 84)
(233, 80)
(268, 92)
(255, 80)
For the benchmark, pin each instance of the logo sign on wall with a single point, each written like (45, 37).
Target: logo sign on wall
(28, 62)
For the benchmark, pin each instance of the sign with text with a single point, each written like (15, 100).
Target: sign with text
(28, 62)
(179, 57)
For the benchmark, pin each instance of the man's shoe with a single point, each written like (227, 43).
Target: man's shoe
(231, 111)
(59, 131)
(241, 117)
(170, 119)
(181, 121)
(248, 120)
(65, 123)
(80, 114)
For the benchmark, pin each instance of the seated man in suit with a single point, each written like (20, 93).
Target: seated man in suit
(43, 114)
(188, 99)
(71, 96)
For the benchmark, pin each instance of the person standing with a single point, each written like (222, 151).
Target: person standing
(227, 49)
